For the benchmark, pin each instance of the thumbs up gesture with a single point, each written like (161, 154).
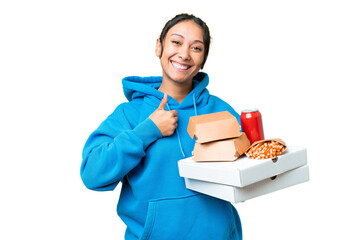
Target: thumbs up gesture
(166, 121)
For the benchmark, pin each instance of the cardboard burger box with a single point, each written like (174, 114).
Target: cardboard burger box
(213, 126)
(221, 150)
(218, 137)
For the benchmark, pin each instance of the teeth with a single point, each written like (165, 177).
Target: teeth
(179, 66)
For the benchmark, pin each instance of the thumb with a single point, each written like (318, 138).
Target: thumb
(163, 102)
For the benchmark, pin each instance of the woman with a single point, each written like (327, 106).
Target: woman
(141, 142)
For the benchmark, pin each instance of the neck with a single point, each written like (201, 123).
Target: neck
(178, 91)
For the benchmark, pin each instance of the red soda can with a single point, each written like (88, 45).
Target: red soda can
(251, 124)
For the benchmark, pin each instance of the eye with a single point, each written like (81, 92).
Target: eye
(198, 49)
(175, 42)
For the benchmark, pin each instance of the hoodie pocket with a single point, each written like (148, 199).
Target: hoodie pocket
(191, 217)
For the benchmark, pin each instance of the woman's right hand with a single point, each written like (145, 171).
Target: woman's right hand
(166, 121)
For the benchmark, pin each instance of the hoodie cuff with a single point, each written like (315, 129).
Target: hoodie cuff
(148, 132)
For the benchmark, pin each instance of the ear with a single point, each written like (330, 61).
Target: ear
(158, 48)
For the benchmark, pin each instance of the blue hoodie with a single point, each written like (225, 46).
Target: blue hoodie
(128, 147)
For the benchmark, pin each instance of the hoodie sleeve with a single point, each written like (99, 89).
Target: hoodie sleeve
(114, 149)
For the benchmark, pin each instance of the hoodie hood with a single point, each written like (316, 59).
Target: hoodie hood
(146, 88)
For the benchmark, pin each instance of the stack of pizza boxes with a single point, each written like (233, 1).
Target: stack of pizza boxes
(220, 168)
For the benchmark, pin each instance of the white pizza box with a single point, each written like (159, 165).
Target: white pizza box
(241, 194)
(244, 171)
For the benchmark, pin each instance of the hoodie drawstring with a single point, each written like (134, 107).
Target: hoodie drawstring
(194, 99)
(177, 132)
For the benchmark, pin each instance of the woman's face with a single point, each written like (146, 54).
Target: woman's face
(183, 52)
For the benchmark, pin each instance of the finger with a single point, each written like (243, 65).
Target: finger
(174, 113)
(163, 102)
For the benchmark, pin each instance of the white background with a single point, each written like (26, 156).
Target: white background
(61, 65)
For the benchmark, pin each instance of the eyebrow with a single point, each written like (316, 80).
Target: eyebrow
(179, 35)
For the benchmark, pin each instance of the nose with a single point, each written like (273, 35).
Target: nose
(184, 52)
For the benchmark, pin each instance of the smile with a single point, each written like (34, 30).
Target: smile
(180, 66)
